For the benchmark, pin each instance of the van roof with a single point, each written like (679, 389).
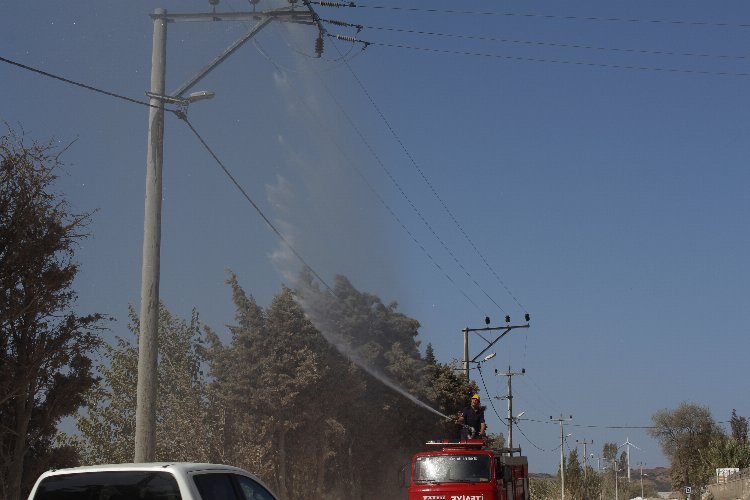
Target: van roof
(149, 466)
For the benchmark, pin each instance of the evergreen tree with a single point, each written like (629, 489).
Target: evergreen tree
(739, 427)
(282, 390)
(45, 347)
(574, 475)
(402, 391)
(237, 406)
(730, 451)
(429, 355)
(184, 428)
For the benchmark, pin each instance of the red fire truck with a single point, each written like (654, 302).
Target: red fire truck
(467, 470)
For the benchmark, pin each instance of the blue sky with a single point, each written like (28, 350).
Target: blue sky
(594, 154)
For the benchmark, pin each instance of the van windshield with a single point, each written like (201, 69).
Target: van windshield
(452, 469)
(116, 485)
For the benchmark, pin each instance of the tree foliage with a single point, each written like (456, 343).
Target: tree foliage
(731, 450)
(316, 414)
(685, 435)
(739, 427)
(107, 428)
(44, 346)
(609, 451)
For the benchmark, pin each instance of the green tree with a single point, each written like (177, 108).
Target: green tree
(429, 355)
(235, 370)
(733, 450)
(277, 360)
(685, 434)
(544, 489)
(592, 484)
(622, 464)
(574, 475)
(739, 427)
(609, 451)
(184, 428)
(45, 347)
(402, 391)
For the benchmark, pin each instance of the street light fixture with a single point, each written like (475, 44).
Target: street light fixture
(479, 362)
(195, 96)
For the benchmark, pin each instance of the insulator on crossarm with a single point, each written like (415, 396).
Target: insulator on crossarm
(336, 4)
(345, 24)
(319, 46)
(347, 38)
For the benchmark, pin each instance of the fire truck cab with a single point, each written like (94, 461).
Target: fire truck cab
(467, 470)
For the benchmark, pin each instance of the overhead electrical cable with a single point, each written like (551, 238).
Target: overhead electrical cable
(484, 384)
(586, 426)
(254, 205)
(528, 377)
(518, 428)
(540, 16)
(433, 190)
(537, 43)
(367, 182)
(416, 210)
(183, 117)
(79, 84)
(543, 60)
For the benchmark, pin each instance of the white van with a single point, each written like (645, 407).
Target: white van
(150, 481)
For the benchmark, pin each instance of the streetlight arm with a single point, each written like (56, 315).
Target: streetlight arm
(492, 343)
(219, 59)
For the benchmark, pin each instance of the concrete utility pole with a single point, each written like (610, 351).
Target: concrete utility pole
(506, 329)
(145, 412)
(616, 467)
(146, 396)
(562, 459)
(585, 457)
(509, 397)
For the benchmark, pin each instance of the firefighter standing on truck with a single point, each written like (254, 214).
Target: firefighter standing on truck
(472, 418)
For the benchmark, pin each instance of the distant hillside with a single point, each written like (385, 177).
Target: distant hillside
(658, 477)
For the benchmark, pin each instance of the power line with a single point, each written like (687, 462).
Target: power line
(226, 171)
(436, 195)
(484, 384)
(416, 210)
(554, 44)
(530, 441)
(594, 426)
(183, 117)
(367, 182)
(543, 60)
(540, 16)
(79, 84)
